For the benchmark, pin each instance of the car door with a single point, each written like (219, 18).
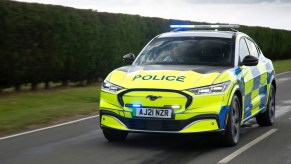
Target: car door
(255, 80)
(247, 79)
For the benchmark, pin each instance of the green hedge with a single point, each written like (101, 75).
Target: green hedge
(46, 43)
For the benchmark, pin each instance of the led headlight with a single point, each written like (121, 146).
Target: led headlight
(107, 86)
(221, 87)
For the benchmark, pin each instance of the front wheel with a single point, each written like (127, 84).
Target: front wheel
(267, 118)
(114, 135)
(232, 132)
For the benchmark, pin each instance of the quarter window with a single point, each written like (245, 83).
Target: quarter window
(252, 47)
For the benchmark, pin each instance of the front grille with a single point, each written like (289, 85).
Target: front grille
(186, 99)
(155, 125)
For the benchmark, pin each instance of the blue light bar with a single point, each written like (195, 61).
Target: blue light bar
(205, 26)
(133, 105)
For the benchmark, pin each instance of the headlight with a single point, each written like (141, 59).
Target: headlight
(210, 89)
(107, 86)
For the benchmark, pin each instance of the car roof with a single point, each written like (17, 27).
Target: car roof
(200, 33)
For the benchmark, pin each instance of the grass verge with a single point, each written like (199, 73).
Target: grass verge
(20, 111)
(282, 65)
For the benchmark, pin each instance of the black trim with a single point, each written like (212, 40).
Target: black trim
(153, 124)
(120, 100)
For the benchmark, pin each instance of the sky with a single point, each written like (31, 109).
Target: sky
(266, 13)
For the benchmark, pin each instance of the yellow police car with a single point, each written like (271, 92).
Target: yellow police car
(190, 82)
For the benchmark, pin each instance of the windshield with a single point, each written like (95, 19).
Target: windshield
(188, 51)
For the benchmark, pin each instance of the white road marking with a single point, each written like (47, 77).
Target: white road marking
(281, 110)
(50, 127)
(247, 146)
(282, 73)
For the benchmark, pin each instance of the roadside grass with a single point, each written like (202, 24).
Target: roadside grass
(282, 65)
(19, 111)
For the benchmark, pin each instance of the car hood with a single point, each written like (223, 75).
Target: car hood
(176, 77)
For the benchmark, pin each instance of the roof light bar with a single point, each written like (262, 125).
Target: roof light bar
(206, 26)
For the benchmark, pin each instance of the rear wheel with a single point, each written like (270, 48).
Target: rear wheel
(114, 135)
(232, 132)
(267, 118)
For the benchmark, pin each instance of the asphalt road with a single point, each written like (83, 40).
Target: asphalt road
(83, 142)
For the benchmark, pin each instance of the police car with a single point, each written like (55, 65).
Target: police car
(190, 82)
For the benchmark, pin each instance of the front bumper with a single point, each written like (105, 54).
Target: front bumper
(197, 113)
(201, 123)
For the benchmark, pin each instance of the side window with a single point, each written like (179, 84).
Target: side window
(252, 47)
(243, 49)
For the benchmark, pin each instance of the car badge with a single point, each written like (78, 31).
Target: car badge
(153, 98)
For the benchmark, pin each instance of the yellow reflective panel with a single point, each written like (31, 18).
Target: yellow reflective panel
(263, 80)
(117, 76)
(210, 109)
(206, 100)
(185, 116)
(255, 110)
(162, 79)
(247, 73)
(109, 98)
(255, 98)
(107, 105)
(249, 86)
(206, 79)
(201, 126)
(112, 122)
(225, 76)
(128, 114)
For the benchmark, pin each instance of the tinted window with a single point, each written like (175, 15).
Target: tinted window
(188, 51)
(252, 48)
(243, 49)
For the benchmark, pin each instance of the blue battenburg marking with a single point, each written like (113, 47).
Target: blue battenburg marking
(222, 116)
(256, 83)
(269, 76)
(263, 95)
(237, 71)
(257, 77)
(248, 102)
(248, 114)
(269, 67)
(240, 80)
(255, 71)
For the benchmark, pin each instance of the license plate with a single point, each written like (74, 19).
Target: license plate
(152, 112)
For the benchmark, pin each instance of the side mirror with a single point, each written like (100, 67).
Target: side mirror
(250, 61)
(128, 58)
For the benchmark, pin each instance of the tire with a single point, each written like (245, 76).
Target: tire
(232, 132)
(267, 118)
(114, 135)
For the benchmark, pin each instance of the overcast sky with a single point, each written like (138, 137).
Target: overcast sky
(267, 13)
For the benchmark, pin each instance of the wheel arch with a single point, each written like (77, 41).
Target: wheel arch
(274, 84)
(238, 92)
